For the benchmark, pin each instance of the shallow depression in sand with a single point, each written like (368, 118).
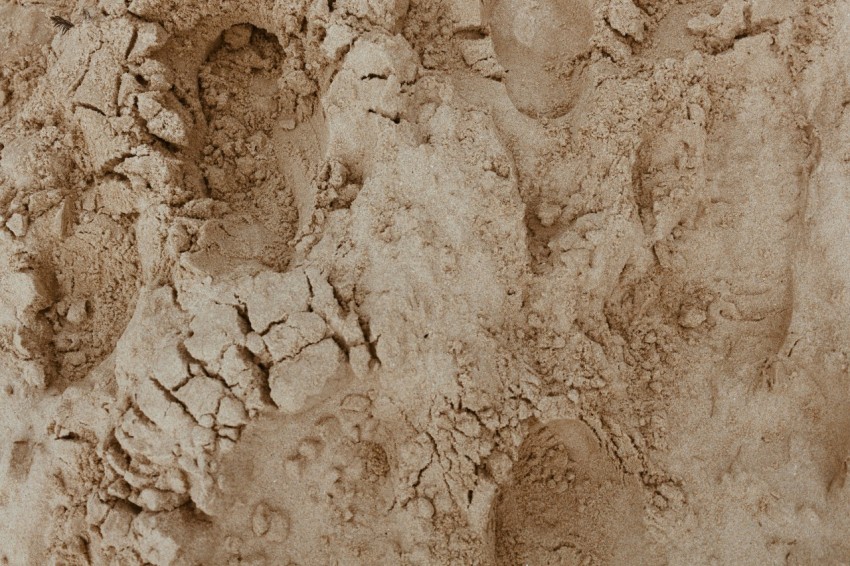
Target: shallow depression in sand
(243, 162)
(567, 502)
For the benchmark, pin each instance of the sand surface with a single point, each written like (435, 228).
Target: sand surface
(424, 282)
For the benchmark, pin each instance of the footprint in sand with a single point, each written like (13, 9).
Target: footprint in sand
(567, 504)
(248, 114)
(542, 44)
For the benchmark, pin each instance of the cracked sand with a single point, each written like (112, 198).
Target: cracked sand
(424, 282)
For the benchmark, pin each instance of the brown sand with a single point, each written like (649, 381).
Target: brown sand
(424, 282)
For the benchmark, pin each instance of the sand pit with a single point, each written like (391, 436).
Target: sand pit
(418, 282)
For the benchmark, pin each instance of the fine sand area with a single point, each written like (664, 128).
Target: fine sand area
(424, 282)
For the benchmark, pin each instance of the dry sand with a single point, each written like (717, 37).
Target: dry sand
(424, 282)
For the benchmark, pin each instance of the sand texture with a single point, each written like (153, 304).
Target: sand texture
(424, 282)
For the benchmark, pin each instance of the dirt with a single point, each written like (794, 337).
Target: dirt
(424, 282)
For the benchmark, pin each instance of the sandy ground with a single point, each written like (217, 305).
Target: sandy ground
(541, 282)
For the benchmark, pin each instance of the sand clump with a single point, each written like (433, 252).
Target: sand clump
(424, 282)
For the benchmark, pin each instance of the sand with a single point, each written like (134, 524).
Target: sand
(541, 282)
